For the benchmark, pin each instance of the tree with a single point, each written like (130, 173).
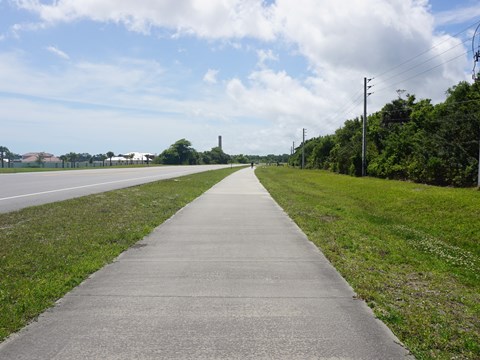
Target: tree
(63, 158)
(181, 152)
(398, 111)
(11, 157)
(130, 156)
(110, 155)
(296, 158)
(320, 156)
(100, 157)
(346, 155)
(3, 154)
(215, 156)
(40, 160)
(72, 157)
(149, 158)
(240, 159)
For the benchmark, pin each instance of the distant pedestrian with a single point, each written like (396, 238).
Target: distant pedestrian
(251, 165)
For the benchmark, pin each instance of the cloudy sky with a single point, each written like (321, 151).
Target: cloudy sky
(123, 75)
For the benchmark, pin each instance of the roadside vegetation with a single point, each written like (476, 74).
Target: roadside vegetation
(47, 250)
(179, 153)
(411, 251)
(408, 140)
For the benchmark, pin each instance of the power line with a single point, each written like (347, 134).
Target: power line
(444, 104)
(348, 107)
(425, 71)
(423, 62)
(358, 97)
(426, 51)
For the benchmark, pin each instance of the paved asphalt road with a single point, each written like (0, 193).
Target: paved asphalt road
(230, 276)
(21, 190)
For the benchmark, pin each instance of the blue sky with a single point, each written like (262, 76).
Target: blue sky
(100, 75)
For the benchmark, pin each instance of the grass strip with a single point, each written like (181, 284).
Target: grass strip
(47, 250)
(411, 251)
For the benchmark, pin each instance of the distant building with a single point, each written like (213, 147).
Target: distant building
(35, 156)
(132, 157)
(138, 156)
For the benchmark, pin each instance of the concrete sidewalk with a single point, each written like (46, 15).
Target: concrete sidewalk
(228, 277)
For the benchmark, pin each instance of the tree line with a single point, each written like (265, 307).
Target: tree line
(182, 152)
(179, 153)
(408, 140)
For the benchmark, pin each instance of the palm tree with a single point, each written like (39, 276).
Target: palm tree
(130, 156)
(40, 159)
(3, 153)
(10, 157)
(102, 158)
(148, 157)
(72, 157)
(63, 158)
(110, 155)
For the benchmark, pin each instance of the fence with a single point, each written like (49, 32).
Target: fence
(69, 165)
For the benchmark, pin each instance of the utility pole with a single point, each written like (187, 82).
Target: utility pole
(364, 131)
(476, 78)
(303, 149)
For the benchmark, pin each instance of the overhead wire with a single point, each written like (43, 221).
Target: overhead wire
(424, 72)
(444, 104)
(357, 98)
(423, 62)
(427, 51)
(349, 106)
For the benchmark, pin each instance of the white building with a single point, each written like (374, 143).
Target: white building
(132, 157)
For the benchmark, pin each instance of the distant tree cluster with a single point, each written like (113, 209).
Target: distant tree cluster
(182, 153)
(7, 157)
(269, 159)
(408, 140)
(74, 158)
(179, 153)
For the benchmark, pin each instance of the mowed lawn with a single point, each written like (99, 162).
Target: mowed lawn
(47, 250)
(411, 251)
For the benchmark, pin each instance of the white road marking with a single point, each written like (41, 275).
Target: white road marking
(86, 186)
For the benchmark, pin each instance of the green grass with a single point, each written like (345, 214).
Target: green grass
(47, 250)
(411, 251)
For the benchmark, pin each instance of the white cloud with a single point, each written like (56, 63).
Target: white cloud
(265, 55)
(58, 52)
(344, 44)
(367, 34)
(210, 76)
(280, 99)
(208, 19)
(126, 102)
(341, 43)
(458, 16)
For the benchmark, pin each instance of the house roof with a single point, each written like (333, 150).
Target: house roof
(33, 157)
